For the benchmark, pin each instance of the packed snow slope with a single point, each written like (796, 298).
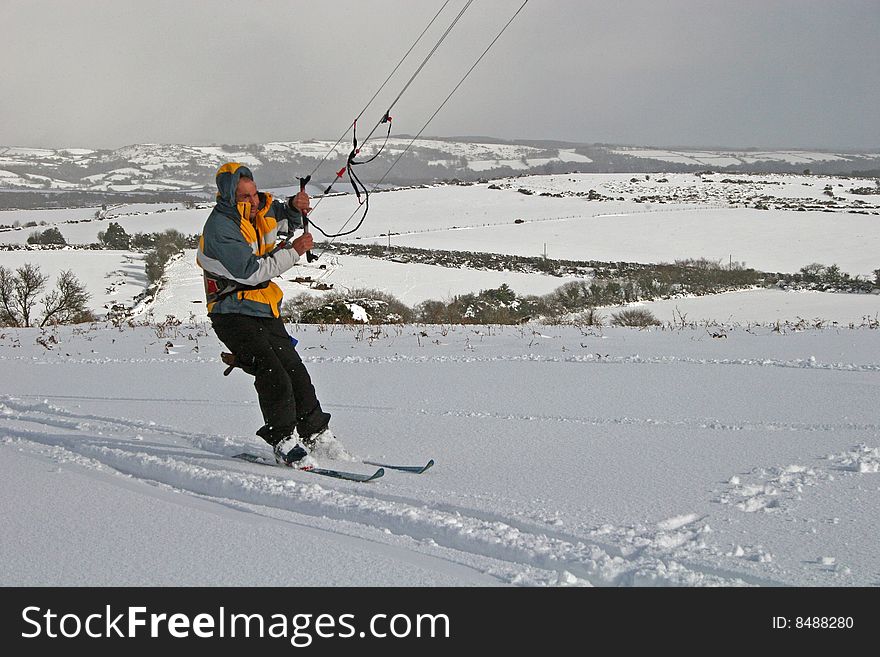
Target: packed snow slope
(612, 457)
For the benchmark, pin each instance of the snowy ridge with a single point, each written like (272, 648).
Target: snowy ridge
(732, 158)
(181, 167)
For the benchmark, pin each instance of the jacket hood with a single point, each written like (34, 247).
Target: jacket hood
(227, 181)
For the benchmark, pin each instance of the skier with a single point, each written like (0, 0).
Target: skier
(239, 259)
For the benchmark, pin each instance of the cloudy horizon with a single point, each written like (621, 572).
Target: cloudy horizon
(776, 74)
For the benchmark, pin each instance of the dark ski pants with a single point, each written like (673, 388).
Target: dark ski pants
(284, 387)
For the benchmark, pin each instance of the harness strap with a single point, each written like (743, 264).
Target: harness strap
(218, 288)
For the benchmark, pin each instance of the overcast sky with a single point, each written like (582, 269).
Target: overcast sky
(739, 73)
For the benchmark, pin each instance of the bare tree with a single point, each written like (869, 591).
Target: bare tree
(7, 291)
(19, 291)
(67, 302)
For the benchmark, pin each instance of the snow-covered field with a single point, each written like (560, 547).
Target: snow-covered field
(727, 158)
(615, 457)
(729, 452)
(111, 277)
(639, 219)
(770, 241)
(767, 307)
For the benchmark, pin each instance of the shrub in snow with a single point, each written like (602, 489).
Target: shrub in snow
(634, 317)
(499, 305)
(114, 237)
(825, 278)
(165, 245)
(48, 236)
(359, 306)
(332, 312)
(590, 317)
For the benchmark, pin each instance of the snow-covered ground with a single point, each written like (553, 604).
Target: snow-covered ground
(781, 240)
(718, 453)
(110, 277)
(80, 225)
(700, 216)
(743, 307)
(563, 457)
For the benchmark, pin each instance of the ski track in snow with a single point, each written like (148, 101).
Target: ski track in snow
(210, 442)
(519, 550)
(514, 550)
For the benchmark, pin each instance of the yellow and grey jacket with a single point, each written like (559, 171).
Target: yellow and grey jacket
(236, 254)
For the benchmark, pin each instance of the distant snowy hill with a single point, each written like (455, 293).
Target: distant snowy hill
(176, 168)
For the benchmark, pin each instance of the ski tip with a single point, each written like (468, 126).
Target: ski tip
(378, 473)
(428, 465)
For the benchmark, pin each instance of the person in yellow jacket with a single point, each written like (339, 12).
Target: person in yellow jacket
(239, 258)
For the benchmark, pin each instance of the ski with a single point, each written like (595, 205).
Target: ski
(336, 474)
(347, 476)
(414, 469)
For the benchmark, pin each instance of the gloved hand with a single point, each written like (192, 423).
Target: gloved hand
(301, 202)
(303, 243)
